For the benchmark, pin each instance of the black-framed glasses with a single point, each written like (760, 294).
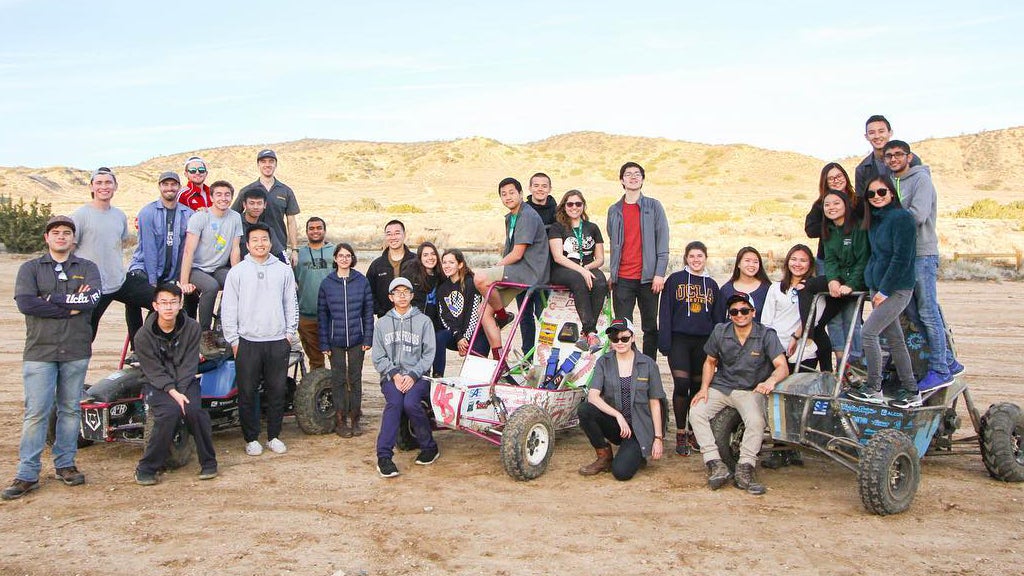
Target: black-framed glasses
(891, 155)
(740, 311)
(880, 192)
(59, 269)
(620, 339)
(199, 170)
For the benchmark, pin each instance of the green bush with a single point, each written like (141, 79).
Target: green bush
(366, 205)
(990, 209)
(22, 225)
(404, 209)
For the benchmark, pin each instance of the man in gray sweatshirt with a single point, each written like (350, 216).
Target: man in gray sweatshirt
(403, 351)
(260, 316)
(917, 194)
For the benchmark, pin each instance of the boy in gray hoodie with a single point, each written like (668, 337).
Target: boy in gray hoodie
(260, 316)
(403, 351)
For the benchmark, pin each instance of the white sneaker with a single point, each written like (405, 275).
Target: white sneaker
(276, 446)
(253, 448)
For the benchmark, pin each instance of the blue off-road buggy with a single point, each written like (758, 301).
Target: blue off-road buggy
(881, 443)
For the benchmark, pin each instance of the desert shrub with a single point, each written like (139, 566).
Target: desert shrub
(989, 208)
(404, 209)
(766, 207)
(973, 269)
(337, 177)
(366, 205)
(22, 225)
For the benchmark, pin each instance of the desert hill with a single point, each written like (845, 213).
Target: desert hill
(728, 195)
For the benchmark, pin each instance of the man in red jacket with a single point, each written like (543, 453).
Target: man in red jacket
(195, 194)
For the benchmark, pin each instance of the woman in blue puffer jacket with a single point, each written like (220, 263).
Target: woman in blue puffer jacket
(345, 318)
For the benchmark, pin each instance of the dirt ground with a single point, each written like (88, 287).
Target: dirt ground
(321, 509)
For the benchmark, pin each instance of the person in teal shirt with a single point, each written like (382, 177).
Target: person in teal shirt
(312, 266)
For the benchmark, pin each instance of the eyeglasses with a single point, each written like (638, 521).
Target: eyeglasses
(59, 269)
(621, 339)
(891, 155)
(199, 170)
(739, 311)
(343, 256)
(401, 293)
(632, 175)
(574, 204)
(880, 192)
(836, 178)
(166, 303)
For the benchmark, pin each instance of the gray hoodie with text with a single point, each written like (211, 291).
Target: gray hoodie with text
(403, 344)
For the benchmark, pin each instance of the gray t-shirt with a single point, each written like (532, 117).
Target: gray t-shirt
(527, 228)
(216, 236)
(742, 366)
(100, 236)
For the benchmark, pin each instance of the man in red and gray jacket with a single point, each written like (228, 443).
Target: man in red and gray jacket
(195, 194)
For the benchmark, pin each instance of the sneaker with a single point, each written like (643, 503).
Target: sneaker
(19, 488)
(276, 446)
(682, 446)
(956, 368)
(906, 399)
(594, 342)
(70, 476)
(509, 317)
(427, 457)
(253, 448)
(933, 381)
(208, 473)
(145, 479)
(386, 468)
(867, 394)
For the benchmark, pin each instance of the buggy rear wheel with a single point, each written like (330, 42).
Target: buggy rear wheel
(182, 445)
(527, 442)
(888, 473)
(728, 428)
(314, 403)
(1002, 442)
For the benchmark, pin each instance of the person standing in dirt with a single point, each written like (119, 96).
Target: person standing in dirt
(403, 351)
(745, 360)
(163, 225)
(638, 232)
(195, 194)
(56, 292)
(311, 269)
(282, 205)
(168, 351)
(625, 406)
(539, 199)
(396, 260)
(260, 315)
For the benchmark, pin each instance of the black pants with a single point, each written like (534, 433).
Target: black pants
(833, 306)
(528, 324)
(166, 413)
(135, 293)
(589, 301)
(686, 361)
(629, 293)
(265, 362)
(347, 378)
(601, 429)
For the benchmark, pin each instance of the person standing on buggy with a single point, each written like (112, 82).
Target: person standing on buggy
(345, 325)
(690, 307)
(458, 305)
(889, 276)
(625, 406)
(577, 254)
(168, 349)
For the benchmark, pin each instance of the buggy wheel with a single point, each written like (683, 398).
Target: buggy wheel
(1002, 442)
(182, 445)
(888, 473)
(728, 428)
(314, 403)
(527, 442)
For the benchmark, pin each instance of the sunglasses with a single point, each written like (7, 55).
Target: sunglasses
(199, 170)
(59, 269)
(880, 192)
(574, 204)
(739, 311)
(620, 339)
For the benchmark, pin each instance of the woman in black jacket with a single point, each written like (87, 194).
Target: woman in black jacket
(458, 310)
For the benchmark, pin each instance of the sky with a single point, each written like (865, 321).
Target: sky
(85, 84)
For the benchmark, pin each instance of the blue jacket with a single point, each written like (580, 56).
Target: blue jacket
(149, 253)
(893, 237)
(345, 311)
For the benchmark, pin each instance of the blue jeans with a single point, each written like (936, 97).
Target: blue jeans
(839, 327)
(924, 311)
(47, 383)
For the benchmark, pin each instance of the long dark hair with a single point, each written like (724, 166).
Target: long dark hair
(824, 186)
(761, 274)
(850, 219)
(460, 258)
(421, 272)
(560, 214)
(892, 191)
(787, 275)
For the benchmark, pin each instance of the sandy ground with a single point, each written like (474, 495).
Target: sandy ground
(321, 509)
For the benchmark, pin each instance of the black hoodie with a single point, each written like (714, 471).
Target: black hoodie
(169, 360)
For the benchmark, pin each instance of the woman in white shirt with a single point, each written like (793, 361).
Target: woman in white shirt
(782, 305)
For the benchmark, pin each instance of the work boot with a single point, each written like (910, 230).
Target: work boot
(208, 347)
(603, 463)
(357, 430)
(682, 444)
(718, 474)
(341, 425)
(746, 479)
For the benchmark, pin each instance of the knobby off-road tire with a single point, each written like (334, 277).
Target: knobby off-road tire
(527, 442)
(1002, 442)
(182, 445)
(888, 473)
(728, 428)
(314, 403)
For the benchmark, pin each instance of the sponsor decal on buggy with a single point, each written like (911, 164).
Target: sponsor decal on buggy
(92, 419)
(820, 407)
(547, 333)
(118, 410)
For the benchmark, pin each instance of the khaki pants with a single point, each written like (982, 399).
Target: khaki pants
(309, 335)
(750, 405)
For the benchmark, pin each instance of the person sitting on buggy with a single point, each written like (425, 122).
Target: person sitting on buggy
(625, 406)
(745, 360)
(782, 311)
(577, 253)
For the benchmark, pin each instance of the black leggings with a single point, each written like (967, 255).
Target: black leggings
(686, 360)
(589, 302)
(833, 306)
(601, 429)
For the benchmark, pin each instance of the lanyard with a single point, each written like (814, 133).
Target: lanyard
(512, 227)
(578, 233)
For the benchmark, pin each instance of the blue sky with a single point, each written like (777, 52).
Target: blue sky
(111, 82)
